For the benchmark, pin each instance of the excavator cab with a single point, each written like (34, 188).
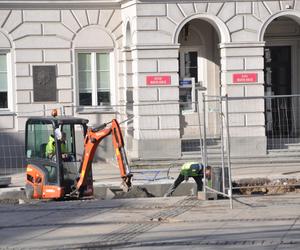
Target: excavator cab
(54, 147)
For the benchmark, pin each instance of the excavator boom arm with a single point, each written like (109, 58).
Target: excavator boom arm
(93, 137)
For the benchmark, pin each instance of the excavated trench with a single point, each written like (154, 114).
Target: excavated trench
(251, 186)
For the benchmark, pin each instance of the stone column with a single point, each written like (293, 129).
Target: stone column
(156, 108)
(243, 77)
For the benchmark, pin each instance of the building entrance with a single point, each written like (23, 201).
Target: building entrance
(279, 112)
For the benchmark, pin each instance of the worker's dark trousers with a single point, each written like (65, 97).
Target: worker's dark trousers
(180, 178)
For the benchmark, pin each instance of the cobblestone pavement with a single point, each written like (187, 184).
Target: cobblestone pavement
(261, 222)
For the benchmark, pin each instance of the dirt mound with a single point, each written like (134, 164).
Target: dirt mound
(266, 186)
(135, 192)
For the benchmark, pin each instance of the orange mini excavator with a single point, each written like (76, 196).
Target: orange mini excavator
(55, 169)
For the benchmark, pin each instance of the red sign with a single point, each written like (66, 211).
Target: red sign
(244, 77)
(158, 80)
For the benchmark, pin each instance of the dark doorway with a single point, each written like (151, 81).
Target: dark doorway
(278, 108)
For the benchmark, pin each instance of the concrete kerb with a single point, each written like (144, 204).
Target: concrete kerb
(107, 182)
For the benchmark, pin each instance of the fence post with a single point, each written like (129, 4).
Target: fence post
(228, 153)
(204, 144)
(222, 143)
(200, 132)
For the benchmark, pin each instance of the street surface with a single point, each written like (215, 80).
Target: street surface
(261, 222)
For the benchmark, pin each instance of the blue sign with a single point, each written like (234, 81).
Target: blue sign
(185, 82)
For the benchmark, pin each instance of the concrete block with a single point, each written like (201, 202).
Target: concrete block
(148, 54)
(252, 105)
(64, 82)
(146, 23)
(168, 65)
(187, 8)
(248, 146)
(254, 63)
(169, 122)
(24, 83)
(105, 15)
(235, 24)
(256, 119)
(237, 120)
(42, 42)
(41, 15)
(214, 8)
(34, 109)
(260, 11)
(23, 97)
(190, 119)
(201, 7)
(148, 122)
(147, 94)
(159, 109)
(65, 96)
(4, 42)
(118, 33)
(251, 51)
(273, 6)
(151, 9)
(3, 16)
(158, 149)
(6, 122)
(168, 94)
(57, 55)
(58, 29)
(14, 20)
(64, 69)
(255, 90)
(115, 21)
(252, 23)
(207, 196)
(69, 21)
(174, 13)
(244, 36)
(243, 8)
(29, 55)
(81, 17)
(233, 63)
(90, 37)
(153, 37)
(227, 11)
(27, 29)
(93, 16)
(22, 69)
(252, 131)
(165, 24)
(235, 90)
(145, 65)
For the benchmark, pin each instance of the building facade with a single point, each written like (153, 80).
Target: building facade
(104, 59)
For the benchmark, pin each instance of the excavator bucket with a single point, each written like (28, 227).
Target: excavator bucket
(126, 183)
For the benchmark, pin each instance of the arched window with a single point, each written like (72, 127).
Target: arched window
(5, 73)
(94, 64)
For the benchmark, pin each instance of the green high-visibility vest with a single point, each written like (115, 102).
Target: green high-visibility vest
(50, 147)
(191, 169)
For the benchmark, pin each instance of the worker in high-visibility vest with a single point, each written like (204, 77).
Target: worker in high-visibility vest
(50, 147)
(190, 169)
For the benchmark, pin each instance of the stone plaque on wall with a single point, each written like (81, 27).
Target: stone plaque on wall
(44, 83)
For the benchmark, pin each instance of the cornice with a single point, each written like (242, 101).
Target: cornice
(61, 4)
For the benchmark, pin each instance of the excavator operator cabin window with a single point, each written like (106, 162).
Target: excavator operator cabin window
(94, 78)
(37, 139)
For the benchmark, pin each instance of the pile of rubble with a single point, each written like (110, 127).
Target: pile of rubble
(266, 186)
